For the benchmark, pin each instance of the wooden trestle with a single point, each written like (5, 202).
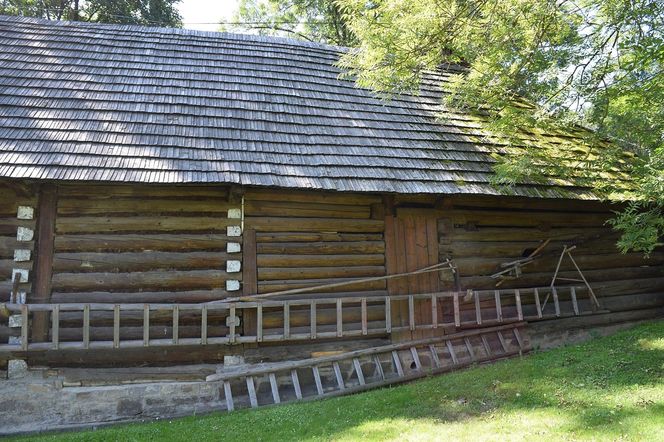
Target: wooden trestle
(370, 368)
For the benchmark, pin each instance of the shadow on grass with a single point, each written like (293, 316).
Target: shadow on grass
(608, 388)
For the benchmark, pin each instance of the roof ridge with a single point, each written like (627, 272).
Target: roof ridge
(176, 31)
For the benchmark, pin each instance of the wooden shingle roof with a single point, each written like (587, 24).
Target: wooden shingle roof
(93, 102)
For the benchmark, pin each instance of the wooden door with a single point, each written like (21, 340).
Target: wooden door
(411, 243)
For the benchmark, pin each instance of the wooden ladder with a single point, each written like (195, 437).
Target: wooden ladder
(369, 368)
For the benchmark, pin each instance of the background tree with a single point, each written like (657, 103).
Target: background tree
(538, 64)
(140, 12)
(313, 20)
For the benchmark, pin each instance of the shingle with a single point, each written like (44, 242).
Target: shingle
(81, 101)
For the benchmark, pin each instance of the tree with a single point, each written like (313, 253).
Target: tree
(539, 64)
(313, 20)
(140, 12)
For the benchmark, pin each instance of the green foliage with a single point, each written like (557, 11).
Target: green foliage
(609, 389)
(313, 20)
(140, 12)
(538, 66)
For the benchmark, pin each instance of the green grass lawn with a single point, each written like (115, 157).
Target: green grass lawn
(607, 389)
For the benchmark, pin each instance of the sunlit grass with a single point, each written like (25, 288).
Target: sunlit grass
(607, 389)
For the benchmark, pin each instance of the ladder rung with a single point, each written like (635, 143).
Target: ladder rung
(230, 406)
(358, 371)
(416, 358)
(501, 338)
(379, 367)
(275, 388)
(319, 384)
(434, 356)
(469, 347)
(485, 343)
(397, 363)
(251, 387)
(337, 374)
(296, 384)
(450, 348)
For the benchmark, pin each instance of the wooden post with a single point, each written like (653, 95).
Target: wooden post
(43, 270)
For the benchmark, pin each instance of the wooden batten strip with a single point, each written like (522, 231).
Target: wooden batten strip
(538, 305)
(411, 313)
(24, 326)
(312, 319)
(176, 324)
(575, 304)
(499, 310)
(457, 313)
(363, 314)
(146, 325)
(434, 311)
(286, 320)
(55, 327)
(233, 325)
(556, 303)
(519, 308)
(388, 315)
(204, 325)
(116, 326)
(478, 310)
(259, 323)
(340, 325)
(86, 326)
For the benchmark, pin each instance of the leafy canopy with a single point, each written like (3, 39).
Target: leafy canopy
(139, 12)
(313, 20)
(592, 63)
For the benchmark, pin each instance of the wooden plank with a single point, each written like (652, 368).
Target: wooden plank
(434, 356)
(230, 406)
(25, 321)
(519, 309)
(232, 328)
(319, 384)
(146, 325)
(116, 326)
(478, 310)
(251, 389)
(119, 204)
(388, 315)
(340, 324)
(397, 363)
(575, 305)
(138, 242)
(275, 388)
(330, 247)
(363, 307)
(89, 262)
(148, 224)
(204, 325)
(556, 304)
(518, 337)
(55, 327)
(312, 320)
(499, 310)
(358, 371)
(416, 358)
(296, 384)
(259, 323)
(86, 326)
(469, 347)
(485, 343)
(286, 320)
(308, 210)
(282, 224)
(289, 261)
(434, 311)
(379, 367)
(43, 270)
(457, 314)
(538, 305)
(450, 349)
(501, 338)
(338, 376)
(249, 279)
(176, 324)
(411, 313)
(279, 273)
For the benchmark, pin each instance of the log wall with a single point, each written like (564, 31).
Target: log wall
(481, 233)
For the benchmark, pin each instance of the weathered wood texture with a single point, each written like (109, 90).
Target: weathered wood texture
(159, 243)
(309, 238)
(481, 233)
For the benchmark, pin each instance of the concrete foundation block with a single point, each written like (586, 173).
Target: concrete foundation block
(17, 369)
(25, 212)
(232, 285)
(234, 231)
(24, 234)
(233, 266)
(235, 213)
(233, 247)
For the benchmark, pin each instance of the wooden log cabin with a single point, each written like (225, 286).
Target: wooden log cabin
(154, 181)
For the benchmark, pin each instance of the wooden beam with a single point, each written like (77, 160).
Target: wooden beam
(249, 280)
(43, 270)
